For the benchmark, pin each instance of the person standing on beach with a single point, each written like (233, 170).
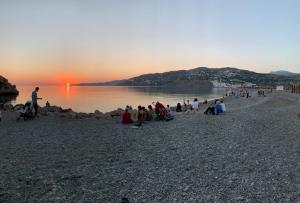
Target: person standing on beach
(35, 97)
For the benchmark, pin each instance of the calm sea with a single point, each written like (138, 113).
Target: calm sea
(90, 98)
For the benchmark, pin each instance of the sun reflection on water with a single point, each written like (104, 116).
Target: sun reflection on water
(68, 88)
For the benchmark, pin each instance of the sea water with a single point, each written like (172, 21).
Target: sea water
(108, 98)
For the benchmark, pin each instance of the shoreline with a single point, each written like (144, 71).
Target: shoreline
(115, 112)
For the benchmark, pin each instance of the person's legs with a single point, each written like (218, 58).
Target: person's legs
(207, 110)
(35, 106)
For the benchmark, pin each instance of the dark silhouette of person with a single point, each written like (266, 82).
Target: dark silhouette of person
(35, 97)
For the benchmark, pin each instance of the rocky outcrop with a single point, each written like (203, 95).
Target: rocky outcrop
(58, 112)
(6, 88)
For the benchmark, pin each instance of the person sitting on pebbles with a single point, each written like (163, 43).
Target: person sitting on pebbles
(218, 107)
(168, 109)
(210, 110)
(223, 106)
(150, 113)
(140, 120)
(178, 107)
(195, 105)
(126, 117)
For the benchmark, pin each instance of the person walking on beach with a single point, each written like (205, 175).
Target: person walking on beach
(35, 97)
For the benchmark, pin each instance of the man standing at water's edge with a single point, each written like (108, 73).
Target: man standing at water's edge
(34, 97)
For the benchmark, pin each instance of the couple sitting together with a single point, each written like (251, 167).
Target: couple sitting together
(216, 108)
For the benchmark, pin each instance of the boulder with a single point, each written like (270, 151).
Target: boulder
(107, 116)
(98, 115)
(81, 115)
(54, 109)
(44, 113)
(65, 110)
(8, 107)
(6, 88)
(70, 114)
(18, 107)
(97, 112)
(117, 112)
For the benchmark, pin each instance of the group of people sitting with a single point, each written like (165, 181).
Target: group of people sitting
(194, 106)
(261, 93)
(216, 108)
(160, 112)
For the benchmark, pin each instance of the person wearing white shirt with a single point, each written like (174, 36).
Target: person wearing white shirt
(195, 104)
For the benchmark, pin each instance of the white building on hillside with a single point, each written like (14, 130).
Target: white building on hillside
(279, 88)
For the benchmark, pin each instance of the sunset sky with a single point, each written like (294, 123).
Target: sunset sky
(60, 41)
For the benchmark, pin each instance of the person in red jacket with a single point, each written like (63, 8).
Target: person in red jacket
(126, 117)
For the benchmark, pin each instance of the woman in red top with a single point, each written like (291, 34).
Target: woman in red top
(126, 117)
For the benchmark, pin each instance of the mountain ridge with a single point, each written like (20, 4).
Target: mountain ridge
(284, 73)
(203, 76)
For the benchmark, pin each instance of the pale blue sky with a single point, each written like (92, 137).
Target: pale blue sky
(114, 39)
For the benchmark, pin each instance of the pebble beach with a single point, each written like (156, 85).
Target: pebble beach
(251, 153)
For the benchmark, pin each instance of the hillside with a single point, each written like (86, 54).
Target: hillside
(205, 77)
(284, 73)
(6, 88)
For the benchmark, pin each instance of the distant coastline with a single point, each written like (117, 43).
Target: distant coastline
(203, 77)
